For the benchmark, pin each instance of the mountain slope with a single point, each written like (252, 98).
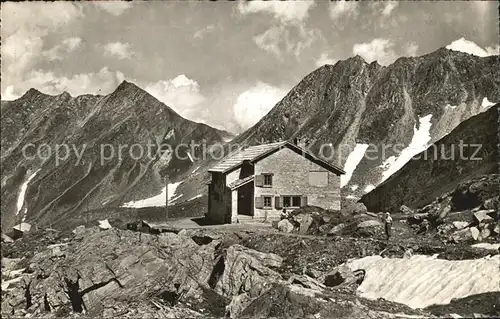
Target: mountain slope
(111, 150)
(442, 166)
(371, 119)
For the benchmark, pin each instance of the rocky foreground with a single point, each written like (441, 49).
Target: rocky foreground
(94, 272)
(441, 261)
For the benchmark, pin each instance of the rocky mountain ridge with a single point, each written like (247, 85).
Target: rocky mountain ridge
(63, 154)
(370, 119)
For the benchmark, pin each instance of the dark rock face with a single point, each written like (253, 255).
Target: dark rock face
(433, 173)
(94, 127)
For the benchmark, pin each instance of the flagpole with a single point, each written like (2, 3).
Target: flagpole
(166, 197)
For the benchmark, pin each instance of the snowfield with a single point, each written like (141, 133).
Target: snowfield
(421, 281)
(158, 200)
(419, 143)
(22, 192)
(487, 103)
(352, 161)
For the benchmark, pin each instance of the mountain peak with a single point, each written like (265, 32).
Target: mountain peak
(125, 85)
(357, 58)
(31, 92)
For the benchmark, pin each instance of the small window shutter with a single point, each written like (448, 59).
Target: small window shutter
(303, 201)
(259, 202)
(259, 180)
(277, 202)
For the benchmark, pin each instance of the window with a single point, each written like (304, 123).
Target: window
(268, 180)
(268, 201)
(291, 201)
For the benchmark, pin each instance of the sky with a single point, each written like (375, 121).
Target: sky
(222, 63)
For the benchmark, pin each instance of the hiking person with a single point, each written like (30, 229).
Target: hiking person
(283, 214)
(388, 225)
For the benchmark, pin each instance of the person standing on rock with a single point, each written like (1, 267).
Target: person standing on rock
(388, 225)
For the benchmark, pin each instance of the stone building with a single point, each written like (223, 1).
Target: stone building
(257, 182)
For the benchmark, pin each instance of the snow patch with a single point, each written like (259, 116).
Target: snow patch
(352, 161)
(195, 170)
(450, 107)
(170, 134)
(419, 143)
(421, 281)
(197, 196)
(354, 187)
(158, 200)
(369, 188)
(351, 197)
(486, 103)
(22, 192)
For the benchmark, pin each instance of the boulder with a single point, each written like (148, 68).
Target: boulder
(343, 276)
(463, 235)
(285, 226)
(306, 282)
(443, 212)
(104, 224)
(492, 203)
(313, 273)
(478, 186)
(247, 271)
(337, 229)
(474, 233)
(79, 230)
(485, 233)
(496, 228)
(237, 304)
(405, 210)
(369, 223)
(482, 216)
(416, 219)
(460, 224)
(304, 221)
(6, 239)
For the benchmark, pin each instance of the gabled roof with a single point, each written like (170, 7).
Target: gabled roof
(239, 156)
(254, 154)
(240, 182)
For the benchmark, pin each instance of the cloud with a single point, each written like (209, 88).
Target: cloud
(382, 51)
(389, 6)
(119, 50)
(67, 46)
(102, 82)
(288, 34)
(203, 31)
(115, 8)
(24, 27)
(256, 102)
(180, 93)
(379, 50)
(470, 47)
(285, 11)
(281, 39)
(338, 9)
(324, 59)
(411, 49)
